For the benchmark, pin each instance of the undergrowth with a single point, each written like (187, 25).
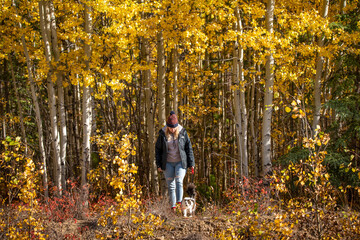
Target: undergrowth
(296, 201)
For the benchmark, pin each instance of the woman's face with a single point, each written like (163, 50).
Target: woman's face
(172, 130)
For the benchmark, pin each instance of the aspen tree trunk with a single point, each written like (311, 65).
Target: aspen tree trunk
(37, 115)
(236, 110)
(87, 113)
(61, 105)
(44, 10)
(204, 127)
(252, 129)
(161, 96)
(223, 124)
(150, 116)
(168, 106)
(70, 123)
(268, 98)
(19, 107)
(78, 122)
(37, 118)
(241, 95)
(161, 78)
(175, 70)
(319, 69)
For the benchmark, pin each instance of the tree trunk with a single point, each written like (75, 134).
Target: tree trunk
(268, 98)
(252, 127)
(319, 69)
(149, 116)
(44, 10)
(87, 114)
(161, 96)
(242, 105)
(175, 71)
(161, 79)
(236, 107)
(38, 119)
(61, 105)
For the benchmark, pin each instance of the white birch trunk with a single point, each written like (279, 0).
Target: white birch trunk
(161, 96)
(61, 106)
(45, 18)
(238, 126)
(175, 76)
(318, 76)
(37, 117)
(252, 129)
(87, 115)
(161, 79)
(243, 110)
(268, 98)
(38, 120)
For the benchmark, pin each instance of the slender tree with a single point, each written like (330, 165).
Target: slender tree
(161, 78)
(60, 94)
(268, 97)
(242, 121)
(175, 71)
(319, 70)
(149, 106)
(45, 21)
(87, 111)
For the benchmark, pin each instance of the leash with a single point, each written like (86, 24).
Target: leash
(192, 175)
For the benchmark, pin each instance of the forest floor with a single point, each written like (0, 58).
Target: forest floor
(201, 226)
(194, 228)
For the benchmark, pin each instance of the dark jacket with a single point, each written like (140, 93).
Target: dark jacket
(186, 152)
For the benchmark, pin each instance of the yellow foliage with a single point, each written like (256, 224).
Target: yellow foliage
(22, 182)
(128, 197)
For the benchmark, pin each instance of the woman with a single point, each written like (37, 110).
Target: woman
(174, 155)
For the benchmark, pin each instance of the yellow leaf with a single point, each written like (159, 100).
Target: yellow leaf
(287, 109)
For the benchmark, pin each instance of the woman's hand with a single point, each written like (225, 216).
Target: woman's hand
(192, 170)
(160, 170)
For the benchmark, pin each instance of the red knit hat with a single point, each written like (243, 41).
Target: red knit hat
(172, 120)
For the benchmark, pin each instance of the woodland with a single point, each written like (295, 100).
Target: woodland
(268, 91)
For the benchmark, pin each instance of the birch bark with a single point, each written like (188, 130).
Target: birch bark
(240, 94)
(268, 98)
(161, 96)
(38, 120)
(44, 10)
(175, 71)
(60, 89)
(161, 78)
(318, 76)
(87, 113)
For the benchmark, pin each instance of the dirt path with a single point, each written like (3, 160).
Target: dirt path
(194, 228)
(199, 227)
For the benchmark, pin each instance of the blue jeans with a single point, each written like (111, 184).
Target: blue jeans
(174, 175)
